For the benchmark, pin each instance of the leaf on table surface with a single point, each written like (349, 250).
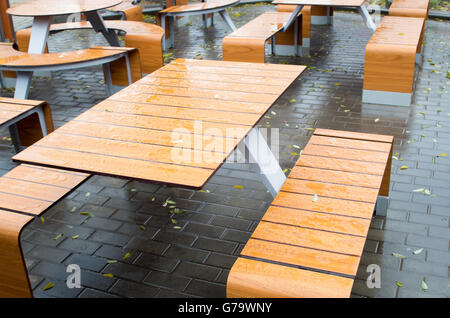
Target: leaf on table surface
(377, 120)
(315, 198)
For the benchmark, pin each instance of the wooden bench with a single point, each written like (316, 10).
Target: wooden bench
(129, 10)
(121, 66)
(145, 37)
(166, 17)
(309, 242)
(247, 44)
(26, 192)
(391, 55)
(410, 8)
(306, 27)
(27, 120)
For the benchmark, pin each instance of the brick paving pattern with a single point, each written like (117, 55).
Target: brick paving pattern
(128, 224)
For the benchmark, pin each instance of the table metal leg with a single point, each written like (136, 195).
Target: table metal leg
(96, 21)
(23, 82)
(367, 18)
(39, 34)
(293, 17)
(266, 164)
(226, 17)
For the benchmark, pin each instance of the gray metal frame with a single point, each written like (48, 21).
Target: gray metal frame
(25, 73)
(13, 127)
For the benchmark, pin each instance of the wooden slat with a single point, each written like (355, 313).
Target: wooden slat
(349, 143)
(167, 124)
(344, 153)
(224, 78)
(131, 150)
(341, 164)
(198, 103)
(249, 278)
(155, 79)
(353, 135)
(148, 136)
(13, 272)
(189, 177)
(200, 6)
(321, 240)
(330, 190)
(22, 204)
(324, 204)
(232, 71)
(15, 107)
(203, 93)
(256, 66)
(320, 221)
(178, 112)
(42, 7)
(339, 177)
(31, 189)
(55, 177)
(299, 256)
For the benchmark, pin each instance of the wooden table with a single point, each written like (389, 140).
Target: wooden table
(43, 11)
(174, 127)
(359, 4)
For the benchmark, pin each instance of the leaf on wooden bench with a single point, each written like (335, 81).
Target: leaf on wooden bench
(315, 198)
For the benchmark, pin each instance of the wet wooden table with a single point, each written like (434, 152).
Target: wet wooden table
(359, 4)
(175, 127)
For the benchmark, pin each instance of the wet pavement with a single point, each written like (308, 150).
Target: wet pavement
(160, 261)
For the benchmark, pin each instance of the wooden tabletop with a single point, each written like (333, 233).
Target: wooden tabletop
(332, 3)
(176, 126)
(192, 7)
(59, 7)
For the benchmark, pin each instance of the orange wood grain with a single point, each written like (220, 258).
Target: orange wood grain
(300, 256)
(341, 164)
(254, 279)
(345, 153)
(339, 177)
(320, 221)
(353, 135)
(390, 55)
(311, 238)
(324, 204)
(14, 281)
(330, 190)
(349, 143)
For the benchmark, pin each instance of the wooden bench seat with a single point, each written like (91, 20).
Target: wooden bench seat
(145, 37)
(247, 44)
(310, 241)
(130, 10)
(27, 120)
(121, 65)
(391, 55)
(410, 8)
(26, 192)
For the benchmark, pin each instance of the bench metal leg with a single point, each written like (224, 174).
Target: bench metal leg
(381, 206)
(14, 132)
(226, 17)
(41, 115)
(266, 164)
(23, 82)
(108, 78)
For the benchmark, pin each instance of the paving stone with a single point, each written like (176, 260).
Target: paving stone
(165, 280)
(130, 289)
